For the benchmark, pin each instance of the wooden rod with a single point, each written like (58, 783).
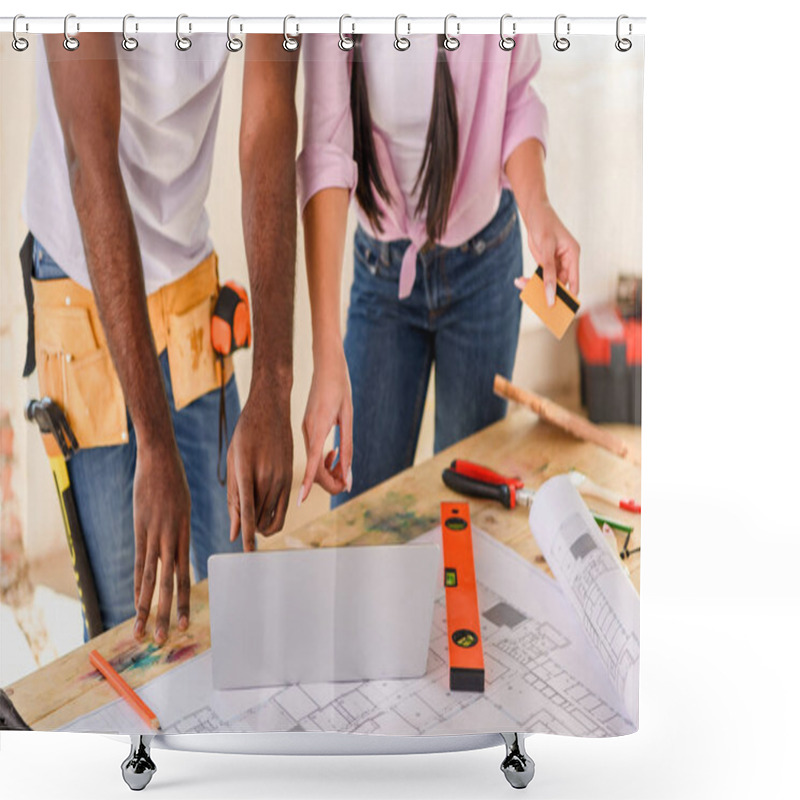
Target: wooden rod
(562, 418)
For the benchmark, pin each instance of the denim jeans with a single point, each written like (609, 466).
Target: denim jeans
(462, 315)
(102, 483)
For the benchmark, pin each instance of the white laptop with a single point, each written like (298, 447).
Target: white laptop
(325, 614)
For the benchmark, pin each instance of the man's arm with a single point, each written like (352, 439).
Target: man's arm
(260, 454)
(86, 91)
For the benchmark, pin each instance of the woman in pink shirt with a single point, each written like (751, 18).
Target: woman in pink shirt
(430, 142)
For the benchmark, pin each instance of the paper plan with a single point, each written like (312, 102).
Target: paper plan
(593, 580)
(542, 675)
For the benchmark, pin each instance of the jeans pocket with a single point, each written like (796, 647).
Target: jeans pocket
(499, 228)
(368, 252)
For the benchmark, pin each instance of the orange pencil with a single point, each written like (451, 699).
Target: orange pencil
(125, 691)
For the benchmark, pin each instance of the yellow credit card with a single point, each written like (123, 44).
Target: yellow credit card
(558, 316)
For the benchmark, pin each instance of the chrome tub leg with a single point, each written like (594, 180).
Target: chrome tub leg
(517, 766)
(138, 768)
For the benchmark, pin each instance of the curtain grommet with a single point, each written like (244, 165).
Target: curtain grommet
(345, 42)
(451, 43)
(234, 43)
(560, 43)
(183, 43)
(401, 43)
(19, 43)
(290, 43)
(70, 42)
(128, 43)
(507, 42)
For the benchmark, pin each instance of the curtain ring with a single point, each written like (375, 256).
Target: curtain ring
(70, 42)
(401, 43)
(451, 42)
(234, 43)
(507, 42)
(345, 42)
(623, 44)
(129, 43)
(290, 44)
(561, 43)
(183, 43)
(17, 42)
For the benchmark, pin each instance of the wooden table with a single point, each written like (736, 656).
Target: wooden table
(394, 512)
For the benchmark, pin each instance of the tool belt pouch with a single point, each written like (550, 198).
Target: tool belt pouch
(75, 367)
(189, 303)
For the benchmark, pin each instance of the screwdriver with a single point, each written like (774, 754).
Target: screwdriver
(474, 480)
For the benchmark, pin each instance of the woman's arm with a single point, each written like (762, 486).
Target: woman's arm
(326, 178)
(550, 243)
(329, 400)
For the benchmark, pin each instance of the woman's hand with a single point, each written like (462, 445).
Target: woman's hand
(329, 403)
(553, 247)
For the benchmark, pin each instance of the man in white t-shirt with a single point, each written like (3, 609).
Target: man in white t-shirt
(124, 282)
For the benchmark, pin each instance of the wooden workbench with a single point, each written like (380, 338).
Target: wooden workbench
(394, 512)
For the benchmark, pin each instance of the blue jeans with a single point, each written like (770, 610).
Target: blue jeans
(463, 315)
(102, 483)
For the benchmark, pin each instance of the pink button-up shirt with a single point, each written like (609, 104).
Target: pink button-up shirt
(497, 110)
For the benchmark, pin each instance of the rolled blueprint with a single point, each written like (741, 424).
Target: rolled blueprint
(593, 580)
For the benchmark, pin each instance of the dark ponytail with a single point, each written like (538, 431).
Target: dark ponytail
(437, 172)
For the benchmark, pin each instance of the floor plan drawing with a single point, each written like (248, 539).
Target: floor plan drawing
(542, 675)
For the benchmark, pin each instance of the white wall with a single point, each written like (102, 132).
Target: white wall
(593, 94)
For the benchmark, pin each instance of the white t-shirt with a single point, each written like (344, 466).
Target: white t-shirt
(170, 108)
(400, 89)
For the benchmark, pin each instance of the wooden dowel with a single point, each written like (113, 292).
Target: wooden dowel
(562, 418)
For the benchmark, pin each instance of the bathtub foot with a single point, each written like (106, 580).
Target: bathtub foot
(517, 766)
(138, 768)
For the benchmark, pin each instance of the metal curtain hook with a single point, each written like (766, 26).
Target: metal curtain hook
(345, 42)
(290, 44)
(623, 44)
(17, 42)
(561, 43)
(234, 43)
(70, 42)
(507, 42)
(451, 42)
(182, 42)
(129, 43)
(401, 42)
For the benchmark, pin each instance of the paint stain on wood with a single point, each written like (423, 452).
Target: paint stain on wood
(181, 653)
(395, 521)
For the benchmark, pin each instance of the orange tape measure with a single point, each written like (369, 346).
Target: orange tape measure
(230, 322)
(463, 617)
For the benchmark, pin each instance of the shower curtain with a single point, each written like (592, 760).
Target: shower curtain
(321, 369)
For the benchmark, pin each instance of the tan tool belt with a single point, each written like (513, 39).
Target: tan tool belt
(75, 367)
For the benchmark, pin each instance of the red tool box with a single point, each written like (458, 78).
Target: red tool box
(611, 365)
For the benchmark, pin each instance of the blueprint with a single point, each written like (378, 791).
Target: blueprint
(543, 674)
(593, 580)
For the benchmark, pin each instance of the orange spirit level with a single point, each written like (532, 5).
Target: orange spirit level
(463, 618)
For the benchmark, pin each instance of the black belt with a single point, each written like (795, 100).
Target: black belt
(26, 261)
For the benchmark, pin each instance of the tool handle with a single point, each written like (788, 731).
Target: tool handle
(472, 470)
(463, 484)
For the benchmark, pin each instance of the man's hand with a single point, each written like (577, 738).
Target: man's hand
(329, 403)
(260, 467)
(161, 522)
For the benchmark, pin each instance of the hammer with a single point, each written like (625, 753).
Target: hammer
(60, 445)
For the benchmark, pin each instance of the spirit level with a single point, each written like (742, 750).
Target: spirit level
(463, 618)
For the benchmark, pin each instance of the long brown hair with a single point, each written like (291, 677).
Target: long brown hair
(437, 172)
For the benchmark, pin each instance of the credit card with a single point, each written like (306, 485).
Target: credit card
(558, 316)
